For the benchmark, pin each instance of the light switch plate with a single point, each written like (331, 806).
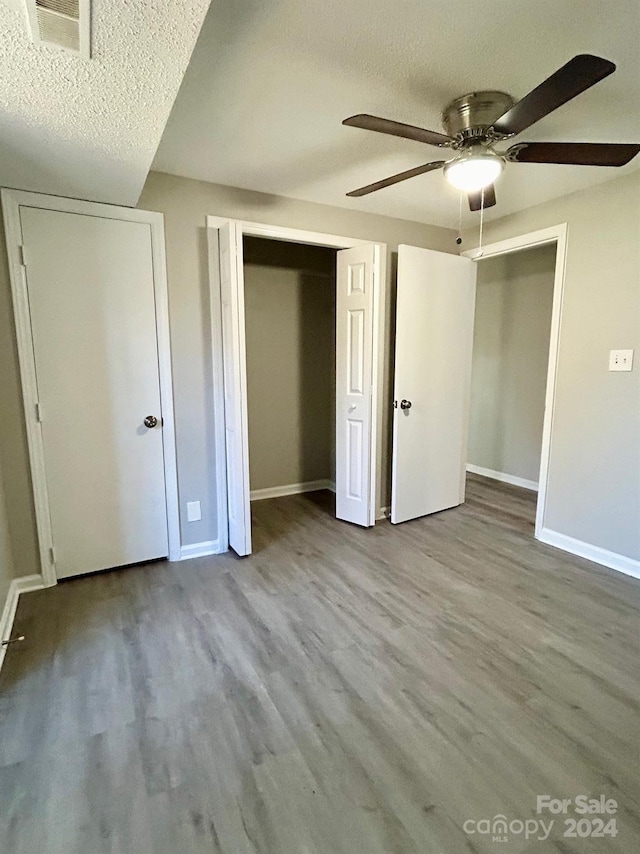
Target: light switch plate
(621, 360)
(194, 514)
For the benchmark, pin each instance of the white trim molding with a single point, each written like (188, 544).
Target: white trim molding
(596, 554)
(503, 477)
(28, 583)
(292, 489)
(209, 547)
(12, 201)
(289, 235)
(542, 237)
(217, 374)
(557, 234)
(19, 585)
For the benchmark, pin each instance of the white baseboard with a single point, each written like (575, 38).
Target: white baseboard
(27, 583)
(383, 513)
(505, 478)
(619, 562)
(209, 547)
(17, 586)
(292, 489)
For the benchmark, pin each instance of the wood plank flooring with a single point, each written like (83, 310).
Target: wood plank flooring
(341, 691)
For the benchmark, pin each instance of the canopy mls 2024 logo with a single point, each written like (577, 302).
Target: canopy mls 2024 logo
(582, 817)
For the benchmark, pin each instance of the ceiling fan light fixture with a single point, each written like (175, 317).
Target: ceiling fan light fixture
(476, 121)
(473, 172)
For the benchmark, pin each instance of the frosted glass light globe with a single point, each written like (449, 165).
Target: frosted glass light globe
(474, 172)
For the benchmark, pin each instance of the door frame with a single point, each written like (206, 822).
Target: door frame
(557, 234)
(12, 200)
(310, 238)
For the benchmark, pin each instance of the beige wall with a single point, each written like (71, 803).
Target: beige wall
(290, 299)
(185, 203)
(595, 456)
(510, 355)
(594, 476)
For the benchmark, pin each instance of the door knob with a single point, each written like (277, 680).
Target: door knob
(150, 421)
(405, 404)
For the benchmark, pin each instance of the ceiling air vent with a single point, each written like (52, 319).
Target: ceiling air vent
(62, 23)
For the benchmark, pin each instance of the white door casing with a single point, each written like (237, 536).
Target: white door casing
(558, 235)
(90, 284)
(358, 277)
(433, 354)
(235, 386)
(229, 368)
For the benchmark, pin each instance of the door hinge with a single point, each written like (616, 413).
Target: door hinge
(23, 261)
(38, 413)
(52, 555)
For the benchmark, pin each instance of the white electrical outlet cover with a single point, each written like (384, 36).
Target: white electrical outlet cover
(194, 513)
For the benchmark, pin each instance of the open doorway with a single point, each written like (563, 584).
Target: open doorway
(290, 321)
(513, 368)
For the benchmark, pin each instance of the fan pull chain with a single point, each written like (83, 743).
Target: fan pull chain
(481, 220)
(459, 237)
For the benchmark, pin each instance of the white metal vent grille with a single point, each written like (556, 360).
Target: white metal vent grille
(70, 8)
(63, 23)
(58, 29)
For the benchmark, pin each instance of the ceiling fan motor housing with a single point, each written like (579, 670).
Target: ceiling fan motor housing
(471, 116)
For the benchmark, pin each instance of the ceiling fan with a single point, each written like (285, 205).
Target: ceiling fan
(477, 122)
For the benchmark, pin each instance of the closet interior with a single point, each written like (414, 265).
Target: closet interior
(290, 320)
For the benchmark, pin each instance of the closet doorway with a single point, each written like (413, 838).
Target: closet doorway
(301, 312)
(290, 322)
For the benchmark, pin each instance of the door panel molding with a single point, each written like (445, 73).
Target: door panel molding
(12, 201)
(234, 368)
(356, 405)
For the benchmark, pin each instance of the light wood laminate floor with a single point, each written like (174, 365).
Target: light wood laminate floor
(342, 691)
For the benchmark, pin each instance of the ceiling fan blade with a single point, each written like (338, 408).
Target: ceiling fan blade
(475, 198)
(578, 75)
(367, 122)
(574, 153)
(395, 179)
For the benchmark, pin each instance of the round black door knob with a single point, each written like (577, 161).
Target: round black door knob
(150, 421)
(405, 404)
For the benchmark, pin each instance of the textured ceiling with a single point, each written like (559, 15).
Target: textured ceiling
(270, 81)
(90, 128)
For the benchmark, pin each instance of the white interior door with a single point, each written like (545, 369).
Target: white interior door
(358, 283)
(433, 352)
(235, 387)
(91, 297)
